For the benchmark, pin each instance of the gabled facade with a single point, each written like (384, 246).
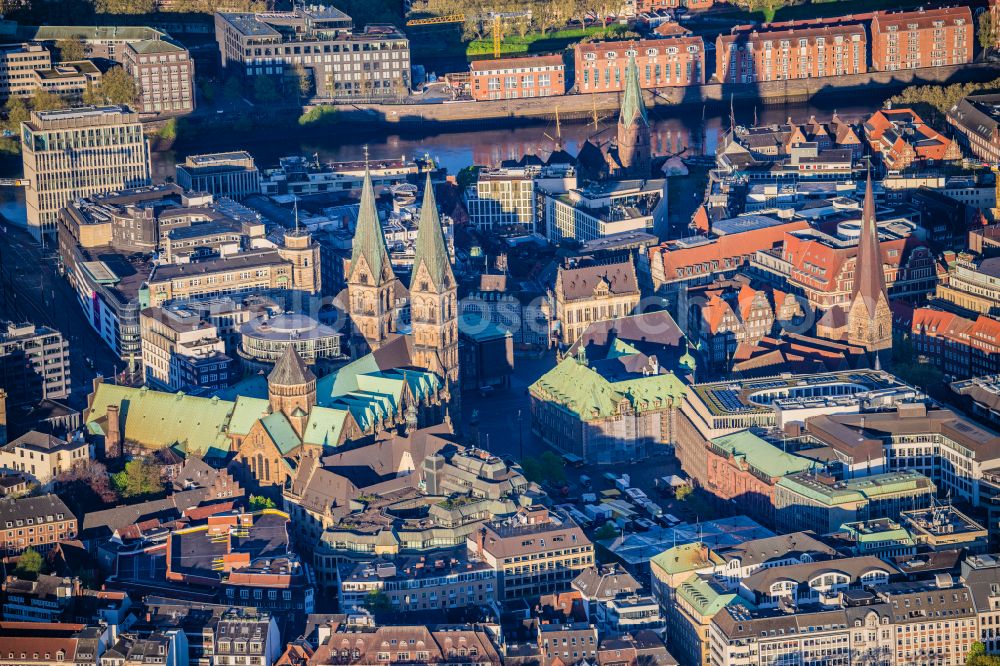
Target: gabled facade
(371, 283)
(433, 296)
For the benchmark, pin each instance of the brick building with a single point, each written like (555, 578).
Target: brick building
(511, 78)
(797, 52)
(671, 62)
(977, 121)
(922, 38)
(744, 468)
(959, 346)
(902, 138)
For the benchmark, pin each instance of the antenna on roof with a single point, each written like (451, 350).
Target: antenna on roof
(295, 207)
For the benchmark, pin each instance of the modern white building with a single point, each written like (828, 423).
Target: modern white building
(604, 208)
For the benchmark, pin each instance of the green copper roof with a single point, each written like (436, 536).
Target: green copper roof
(705, 597)
(281, 431)
(590, 396)
(904, 481)
(894, 533)
(369, 242)
(325, 427)
(686, 557)
(157, 420)
(633, 107)
(246, 413)
(761, 455)
(621, 348)
(431, 250)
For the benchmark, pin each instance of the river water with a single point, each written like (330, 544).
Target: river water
(674, 129)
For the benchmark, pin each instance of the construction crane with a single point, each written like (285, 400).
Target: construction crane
(437, 20)
(498, 18)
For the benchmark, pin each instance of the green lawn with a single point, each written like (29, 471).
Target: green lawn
(548, 42)
(825, 9)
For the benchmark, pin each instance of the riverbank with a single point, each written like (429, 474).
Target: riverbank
(583, 107)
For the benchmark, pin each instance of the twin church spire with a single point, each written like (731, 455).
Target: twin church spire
(374, 290)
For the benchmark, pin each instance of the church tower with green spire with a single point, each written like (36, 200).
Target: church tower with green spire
(371, 283)
(633, 143)
(433, 296)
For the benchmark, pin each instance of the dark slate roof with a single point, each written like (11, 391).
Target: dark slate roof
(290, 370)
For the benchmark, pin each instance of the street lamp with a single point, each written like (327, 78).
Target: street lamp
(520, 437)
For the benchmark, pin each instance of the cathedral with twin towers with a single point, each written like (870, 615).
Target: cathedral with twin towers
(374, 289)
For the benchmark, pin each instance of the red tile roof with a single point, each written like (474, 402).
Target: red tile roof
(517, 63)
(736, 246)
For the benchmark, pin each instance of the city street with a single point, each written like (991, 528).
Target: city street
(31, 289)
(503, 434)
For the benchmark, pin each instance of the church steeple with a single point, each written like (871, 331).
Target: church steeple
(869, 277)
(633, 141)
(369, 241)
(433, 295)
(633, 109)
(869, 319)
(431, 251)
(371, 283)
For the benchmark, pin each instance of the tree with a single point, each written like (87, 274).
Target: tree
(16, 112)
(71, 49)
(988, 32)
(319, 116)
(264, 90)
(92, 96)
(259, 503)
(766, 7)
(377, 601)
(207, 90)
(933, 102)
(976, 650)
(303, 81)
(683, 492)
(606, 531)
(29, 564)
(117, 87)
(86, 487)
(552, 467)
(466, 177)
(125, 6)
(232, 90)
(46, 101)
(140, 478)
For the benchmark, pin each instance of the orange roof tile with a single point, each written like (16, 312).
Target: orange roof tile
(728, 247)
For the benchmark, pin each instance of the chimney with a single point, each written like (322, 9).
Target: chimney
(113, 438)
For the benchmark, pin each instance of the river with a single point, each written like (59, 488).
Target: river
(674, 129)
